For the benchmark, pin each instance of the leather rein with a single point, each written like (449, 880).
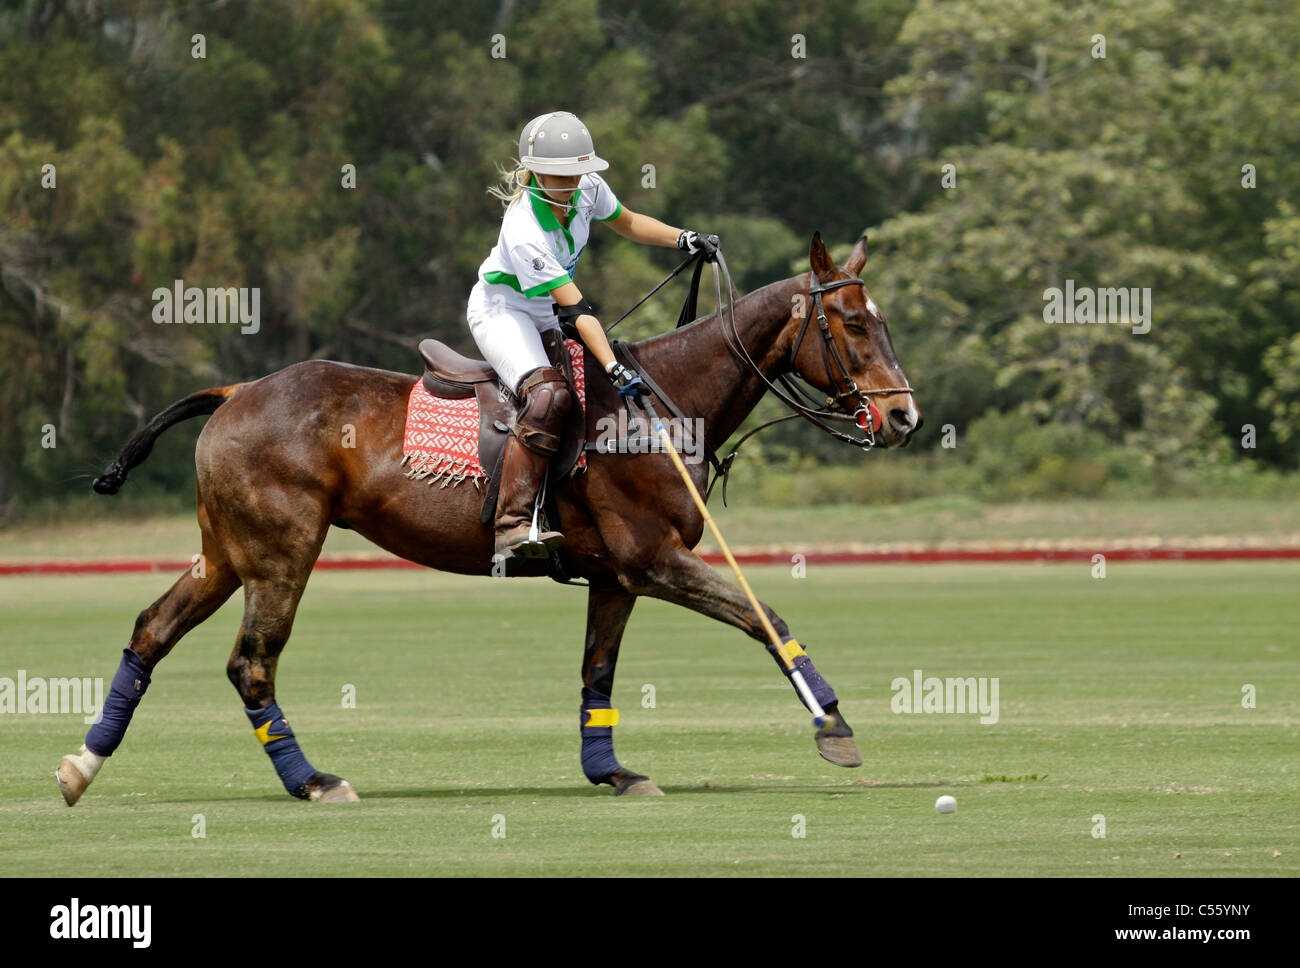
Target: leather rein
(815, 411)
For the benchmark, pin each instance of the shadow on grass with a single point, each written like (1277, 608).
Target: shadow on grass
(590, 793)
(574, 792)
(701, 788)
(412, 793)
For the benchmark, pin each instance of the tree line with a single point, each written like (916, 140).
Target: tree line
(334, 155)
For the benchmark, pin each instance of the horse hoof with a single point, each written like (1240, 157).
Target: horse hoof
(836, 744)
(72, 782)
(641, 788)
(840, 750)
(75, 773)
(627, 784)
(340, 792)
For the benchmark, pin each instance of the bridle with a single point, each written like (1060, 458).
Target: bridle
(866, 417)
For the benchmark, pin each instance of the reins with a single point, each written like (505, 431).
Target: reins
(695, 284)
(789, 392)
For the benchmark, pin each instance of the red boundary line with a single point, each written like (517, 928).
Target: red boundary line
(342, 562)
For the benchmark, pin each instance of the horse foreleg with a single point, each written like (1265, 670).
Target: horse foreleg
(679, 575)
(269, 609)
(608, 608)
(192, 599)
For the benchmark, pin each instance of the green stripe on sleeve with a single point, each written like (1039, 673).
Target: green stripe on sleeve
(502, 279)
(546, 287)
(617, 212)
(506, 279)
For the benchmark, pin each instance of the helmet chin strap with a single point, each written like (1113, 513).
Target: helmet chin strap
(543, 193)
(545, 196)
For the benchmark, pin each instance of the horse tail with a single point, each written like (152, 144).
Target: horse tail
(138, 447)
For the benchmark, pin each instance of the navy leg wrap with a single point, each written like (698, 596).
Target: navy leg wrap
(277, 739)
(820, 688)
(129, 684)
(598, 759)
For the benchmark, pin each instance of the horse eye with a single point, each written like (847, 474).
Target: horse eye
(856, 328)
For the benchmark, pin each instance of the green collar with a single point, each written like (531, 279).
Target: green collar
(546, 218)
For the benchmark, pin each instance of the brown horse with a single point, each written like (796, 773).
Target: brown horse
(273, 475)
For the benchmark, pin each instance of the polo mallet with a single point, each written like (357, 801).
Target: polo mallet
(820, 717)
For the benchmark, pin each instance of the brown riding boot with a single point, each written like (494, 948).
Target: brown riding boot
(533, 441)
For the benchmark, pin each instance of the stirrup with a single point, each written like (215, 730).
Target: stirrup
(536, 543)
(543, 545)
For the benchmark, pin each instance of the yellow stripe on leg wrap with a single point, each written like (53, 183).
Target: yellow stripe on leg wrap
(602, 717)
(792, 647)
(263, 733)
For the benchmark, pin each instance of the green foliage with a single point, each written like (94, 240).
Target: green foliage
(1002, 457)
(227, 171)
(1124, 171)
(1282, 398)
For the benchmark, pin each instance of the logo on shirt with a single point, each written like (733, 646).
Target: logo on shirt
(538, 263)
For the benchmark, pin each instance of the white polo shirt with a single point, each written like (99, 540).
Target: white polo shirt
(535, 253)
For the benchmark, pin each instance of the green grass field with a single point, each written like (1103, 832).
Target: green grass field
(113, 531)
(1121, 695)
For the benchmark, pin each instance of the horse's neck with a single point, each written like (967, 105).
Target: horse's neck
(704, 378)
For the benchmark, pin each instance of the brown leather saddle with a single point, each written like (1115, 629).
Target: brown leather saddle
(450, 375)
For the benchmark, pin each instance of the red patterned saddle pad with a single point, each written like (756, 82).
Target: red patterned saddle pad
(441, 439)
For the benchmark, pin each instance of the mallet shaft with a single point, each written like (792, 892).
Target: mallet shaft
(795, 676)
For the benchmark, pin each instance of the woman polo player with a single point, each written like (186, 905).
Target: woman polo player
(525, 287)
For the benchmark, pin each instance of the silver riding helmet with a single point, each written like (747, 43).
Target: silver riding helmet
(558, 143)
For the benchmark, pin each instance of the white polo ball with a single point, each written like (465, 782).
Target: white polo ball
(946, 805)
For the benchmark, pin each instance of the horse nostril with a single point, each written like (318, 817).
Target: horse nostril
(900, 418)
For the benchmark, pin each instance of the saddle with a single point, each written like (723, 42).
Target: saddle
(450, 375)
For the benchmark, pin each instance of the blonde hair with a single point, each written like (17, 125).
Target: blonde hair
(510, 187)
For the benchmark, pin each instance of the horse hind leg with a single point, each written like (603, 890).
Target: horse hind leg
(271, 511)
(269, 608)
(191, 600)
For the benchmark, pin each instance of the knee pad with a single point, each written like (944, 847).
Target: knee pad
(545, 400)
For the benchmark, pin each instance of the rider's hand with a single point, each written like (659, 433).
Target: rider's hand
(626, 382)
(693, 242)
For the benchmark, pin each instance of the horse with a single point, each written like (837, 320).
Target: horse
(273, 476)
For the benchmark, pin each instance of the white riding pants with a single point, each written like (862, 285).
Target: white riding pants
(509, 340)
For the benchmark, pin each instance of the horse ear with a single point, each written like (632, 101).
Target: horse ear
(820, 260)
(858, 257)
